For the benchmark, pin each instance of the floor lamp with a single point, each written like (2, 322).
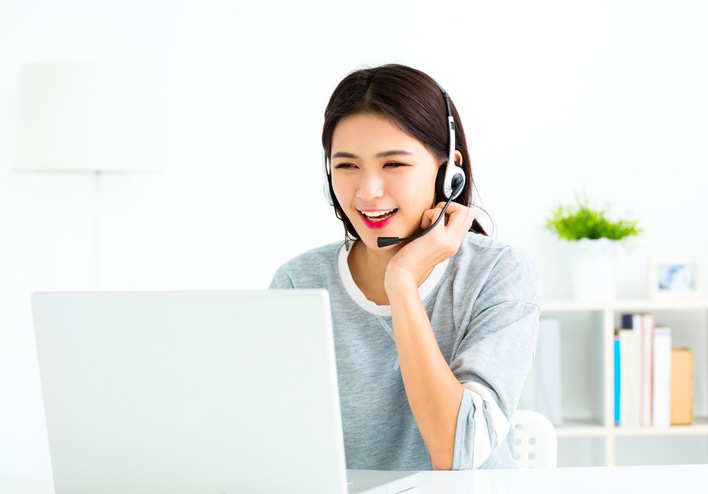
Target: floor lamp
(88, 117)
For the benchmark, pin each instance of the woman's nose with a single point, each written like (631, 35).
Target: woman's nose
(370, 187)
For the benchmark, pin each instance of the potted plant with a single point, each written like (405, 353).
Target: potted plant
(595, 239)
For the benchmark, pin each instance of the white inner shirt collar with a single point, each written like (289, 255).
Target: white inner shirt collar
(382, 310)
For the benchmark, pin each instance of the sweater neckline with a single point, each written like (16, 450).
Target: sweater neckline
(382, 310)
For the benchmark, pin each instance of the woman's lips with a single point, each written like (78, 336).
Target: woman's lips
(378, 222)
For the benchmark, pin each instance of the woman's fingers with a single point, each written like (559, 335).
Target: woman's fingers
(429, 217)
(457, 216)
(439, 244)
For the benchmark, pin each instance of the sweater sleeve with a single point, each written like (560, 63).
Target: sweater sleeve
(281, 280)
(494, 358)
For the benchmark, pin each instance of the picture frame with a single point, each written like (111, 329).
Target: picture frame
(676, 277)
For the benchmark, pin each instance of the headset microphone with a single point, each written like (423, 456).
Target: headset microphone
(386, 241)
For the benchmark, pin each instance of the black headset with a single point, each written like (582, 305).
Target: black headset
(449, 181)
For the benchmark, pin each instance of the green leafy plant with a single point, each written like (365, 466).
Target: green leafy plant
(577, 222)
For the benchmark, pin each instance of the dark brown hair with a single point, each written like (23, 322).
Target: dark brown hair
(412, 101)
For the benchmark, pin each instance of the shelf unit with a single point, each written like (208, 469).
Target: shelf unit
(601, 427)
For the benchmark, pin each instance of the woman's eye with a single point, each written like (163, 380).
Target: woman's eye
(343, 166)
(395, 165)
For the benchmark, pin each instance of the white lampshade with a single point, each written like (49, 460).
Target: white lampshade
(88, 117)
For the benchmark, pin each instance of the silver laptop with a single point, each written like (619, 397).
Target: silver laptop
(195, 392)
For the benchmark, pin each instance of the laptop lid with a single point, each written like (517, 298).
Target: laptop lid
(185, 392)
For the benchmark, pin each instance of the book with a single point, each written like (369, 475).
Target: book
(618, 369)
(646, 369)
(629, 378)
(639, 368)
(681, 386)
(661, 396)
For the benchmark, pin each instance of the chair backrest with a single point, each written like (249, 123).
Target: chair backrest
(536, 440)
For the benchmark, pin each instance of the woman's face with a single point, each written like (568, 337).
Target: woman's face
(383, 178)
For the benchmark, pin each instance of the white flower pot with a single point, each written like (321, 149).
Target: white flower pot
(593, 268)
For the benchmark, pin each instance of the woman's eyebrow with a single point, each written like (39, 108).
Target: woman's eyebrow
(383, 154)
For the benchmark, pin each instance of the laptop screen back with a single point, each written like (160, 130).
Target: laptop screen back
(185, 392)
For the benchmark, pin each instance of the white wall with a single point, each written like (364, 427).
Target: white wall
(554, 95)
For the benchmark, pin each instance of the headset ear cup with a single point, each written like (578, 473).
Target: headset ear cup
(440, 184)
(327, 192)
(440, 195)
(459, 171)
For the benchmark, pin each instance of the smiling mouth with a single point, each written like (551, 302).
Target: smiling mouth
(378, 216)
(377, 219)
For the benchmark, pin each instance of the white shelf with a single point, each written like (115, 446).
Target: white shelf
(579, 429)
(698, 428)
(608, 311)
(624, 305)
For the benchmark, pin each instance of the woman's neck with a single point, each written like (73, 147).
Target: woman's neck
(368, 269)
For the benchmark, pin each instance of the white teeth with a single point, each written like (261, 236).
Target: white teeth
(376, 214)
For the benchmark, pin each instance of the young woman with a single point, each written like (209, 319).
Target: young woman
(434, 336)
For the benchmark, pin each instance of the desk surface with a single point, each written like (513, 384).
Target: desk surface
(683, 479)
(665, 479)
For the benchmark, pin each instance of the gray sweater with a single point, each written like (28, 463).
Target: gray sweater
(483, 305)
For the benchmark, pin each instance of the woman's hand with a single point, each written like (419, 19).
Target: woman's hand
(412, 264)
(433, 391)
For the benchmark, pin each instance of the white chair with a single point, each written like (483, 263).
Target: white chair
(536, 440)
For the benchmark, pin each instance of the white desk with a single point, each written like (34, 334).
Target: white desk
(663, 479)
(599, 480)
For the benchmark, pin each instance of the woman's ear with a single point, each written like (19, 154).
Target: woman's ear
(458, 157)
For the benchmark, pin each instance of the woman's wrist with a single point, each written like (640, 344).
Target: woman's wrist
(398, 282)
